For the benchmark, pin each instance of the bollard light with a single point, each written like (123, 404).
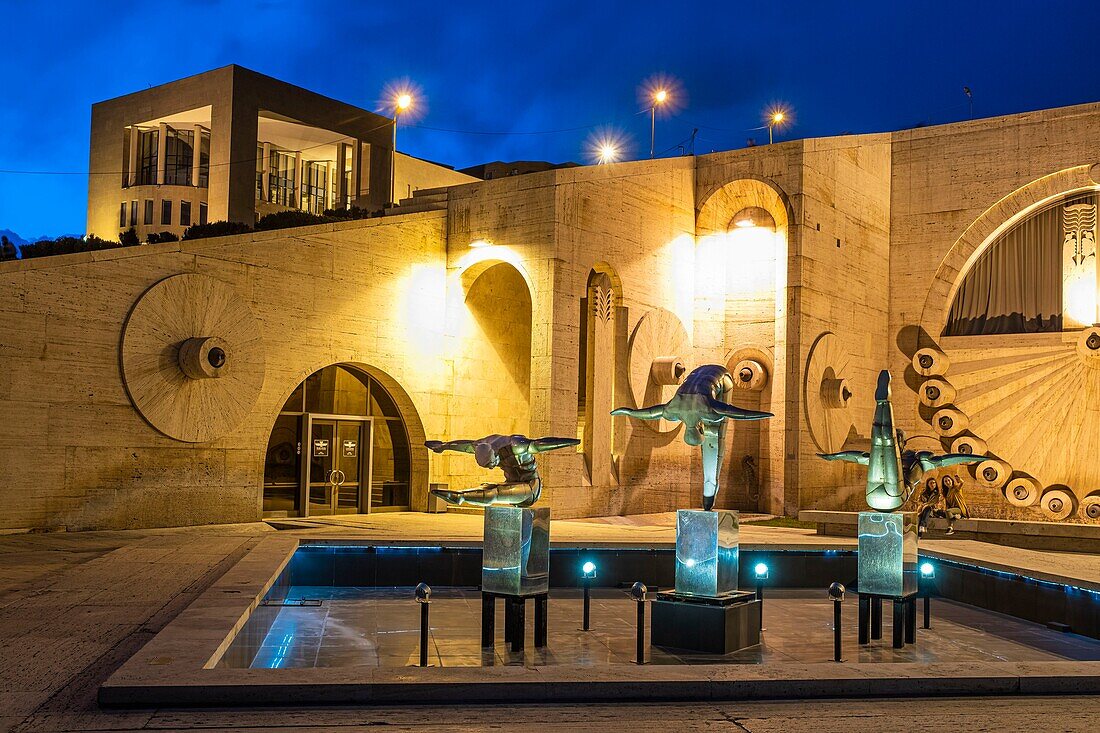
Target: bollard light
(927, 573)
(637, 594)
(588, 572)
(761, 571)
(423, 596)
(836, 593)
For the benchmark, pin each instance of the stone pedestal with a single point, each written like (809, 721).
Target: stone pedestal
(515, 555)
(706, 552)
(887, 554)
(708, 625)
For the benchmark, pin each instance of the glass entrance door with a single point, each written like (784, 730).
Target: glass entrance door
(336, 465)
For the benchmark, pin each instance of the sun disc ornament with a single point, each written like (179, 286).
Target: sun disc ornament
(192, 357)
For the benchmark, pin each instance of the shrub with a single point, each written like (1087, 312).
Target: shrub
(351, 213)
(64, 246)
(158, 237)
(129, 238)
(215, 229)
(293, 218)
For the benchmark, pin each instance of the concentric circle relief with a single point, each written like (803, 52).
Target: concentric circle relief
(192, 357)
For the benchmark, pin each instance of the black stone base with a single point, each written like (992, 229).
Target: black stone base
(708, 625)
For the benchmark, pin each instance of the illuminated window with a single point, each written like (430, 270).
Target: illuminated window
(204, 159)
(314, 187)
(281, 178)
(147, 157)
(179, 147)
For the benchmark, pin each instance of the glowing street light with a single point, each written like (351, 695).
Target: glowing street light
(608, 152)
(776, 118)
(659, 98)
(402, 102)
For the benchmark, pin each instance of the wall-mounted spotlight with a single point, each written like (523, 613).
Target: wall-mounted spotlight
(927, 570)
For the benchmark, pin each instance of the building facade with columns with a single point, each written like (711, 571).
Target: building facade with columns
(232, 145)
(298, 372)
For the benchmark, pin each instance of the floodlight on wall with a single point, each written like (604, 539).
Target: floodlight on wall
(927, 570)
(753, 217)
(761, 571)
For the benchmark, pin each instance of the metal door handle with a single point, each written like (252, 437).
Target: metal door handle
(332, 477)
(342, 478)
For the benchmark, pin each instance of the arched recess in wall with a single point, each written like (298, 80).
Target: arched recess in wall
(493, 359)
(347, 440)
(1010, 350)
(742, 232)
(601, 349)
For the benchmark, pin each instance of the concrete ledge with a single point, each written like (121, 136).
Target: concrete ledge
(487, 685)
(1058, 536)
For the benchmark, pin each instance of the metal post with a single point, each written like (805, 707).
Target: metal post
(588, 603)
(876, 618)
(637, 593)
(927, 611)
(652, 129)
(836, 630)
(423, 595)
(836, 592)
(899, 624)
(760, 597)
(393, 163)
(423, 634)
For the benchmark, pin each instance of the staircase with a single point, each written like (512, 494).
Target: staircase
(423, 199)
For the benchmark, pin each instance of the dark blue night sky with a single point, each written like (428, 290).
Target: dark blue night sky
(534, 66)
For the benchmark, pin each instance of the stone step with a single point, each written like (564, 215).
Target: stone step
(431, 191)
(435, 198)
(416, 207)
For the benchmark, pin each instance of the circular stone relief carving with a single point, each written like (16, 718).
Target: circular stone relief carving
(1057, 504)
(826, 393)
(1090, 506)
(657, 347)
(192, 357)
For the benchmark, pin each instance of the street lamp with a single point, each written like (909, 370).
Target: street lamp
(659, 98)
(402, 102)
(608, 152)
(776, 118)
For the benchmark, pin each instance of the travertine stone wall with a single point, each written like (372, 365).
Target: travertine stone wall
(953, 187)
(73, 451)
(871, 234)
(841, 275)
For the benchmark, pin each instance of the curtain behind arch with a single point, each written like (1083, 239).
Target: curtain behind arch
(1015, 286)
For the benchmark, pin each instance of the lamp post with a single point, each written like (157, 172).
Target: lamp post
(836, 593)
(400, 103)
(659, 98)
(637, 594)
(588, 572)
(775, 120)
(927, 574)
(761, 573)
